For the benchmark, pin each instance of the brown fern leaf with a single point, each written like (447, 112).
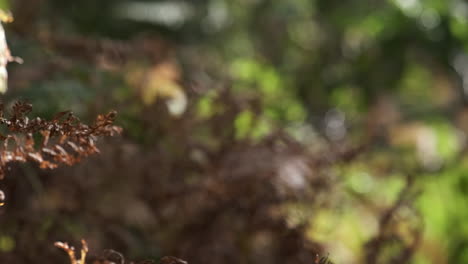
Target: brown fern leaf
(71, 251)
(64, 138)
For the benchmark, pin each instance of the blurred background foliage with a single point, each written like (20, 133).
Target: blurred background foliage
(204, 87)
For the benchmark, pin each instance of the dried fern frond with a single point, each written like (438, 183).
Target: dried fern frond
(107, 256)
(49, 143)
(71, 251)
(63, 140)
